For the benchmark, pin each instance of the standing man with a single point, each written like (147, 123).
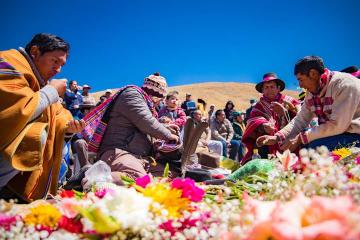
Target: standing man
(273, 111)
(332, 97)
(32, 121)
(188, 105)
(86, 97)
(73, 99)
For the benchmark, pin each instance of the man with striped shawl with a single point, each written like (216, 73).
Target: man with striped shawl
(273, 111)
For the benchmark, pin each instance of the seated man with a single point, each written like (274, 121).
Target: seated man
(205, 142)
(222, 130)
(131, 125)
(33, 122)
(332, 97)
(270, 114)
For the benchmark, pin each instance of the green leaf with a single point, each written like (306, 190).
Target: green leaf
(166, 171)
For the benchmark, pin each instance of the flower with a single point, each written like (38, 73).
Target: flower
(44, 214)
(341, 153)
(169, 198)
(143, 181)
(189, 189)
(7, 221)
(67, 194)
(72, 225)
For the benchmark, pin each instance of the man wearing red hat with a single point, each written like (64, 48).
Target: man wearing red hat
(269, 115)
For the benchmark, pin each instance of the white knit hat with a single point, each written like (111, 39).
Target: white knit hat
(156, 83)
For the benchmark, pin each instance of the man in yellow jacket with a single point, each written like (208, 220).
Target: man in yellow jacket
(32, 121)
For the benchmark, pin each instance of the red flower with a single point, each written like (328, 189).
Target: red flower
(67, 194)
(7, 221)
(190, 190)
(72, 225)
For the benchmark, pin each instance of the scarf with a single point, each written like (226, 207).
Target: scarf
(316, 103)
(97, 120)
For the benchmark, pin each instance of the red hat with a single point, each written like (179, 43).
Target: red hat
(268, 77)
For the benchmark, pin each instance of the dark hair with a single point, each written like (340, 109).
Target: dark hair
(350, 69)
(71, 82)
(217, 113)
(172, 94)
(230, 102)
(47, 43)
(307, 63)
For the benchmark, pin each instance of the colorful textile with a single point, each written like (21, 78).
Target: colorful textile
(177, 116)
(96, 121)
(317, 103)
(22, 146)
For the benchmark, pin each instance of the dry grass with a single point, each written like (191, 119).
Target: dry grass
(218, 93)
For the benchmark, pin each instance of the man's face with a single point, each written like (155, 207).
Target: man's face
(310, 82)
(188, 97)
(172, 101)
(221, 117)
(212, 107)
(73, 86)
(50, 63)
(197, 115)
(240, 118)
(86, 90)
(108, 94)
(270, 90)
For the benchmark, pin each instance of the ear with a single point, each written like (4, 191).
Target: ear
(314, 74)
(34, 52)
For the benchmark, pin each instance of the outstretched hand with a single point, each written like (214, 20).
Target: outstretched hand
(75, 126)
(266, 140)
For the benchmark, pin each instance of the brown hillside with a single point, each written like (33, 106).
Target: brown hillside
(219, 93)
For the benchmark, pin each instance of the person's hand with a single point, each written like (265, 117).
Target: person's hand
(174, 138)
(76, 106)
(75, 126)
(289, 106)
(59, 85)
(278, 108)
(174, 129)
(291, 144)
(266, 140)
(268, 128)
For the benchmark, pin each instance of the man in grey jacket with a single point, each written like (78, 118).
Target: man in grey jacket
(222, 130)
(132, 125)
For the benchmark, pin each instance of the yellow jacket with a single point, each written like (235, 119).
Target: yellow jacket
(20, 139)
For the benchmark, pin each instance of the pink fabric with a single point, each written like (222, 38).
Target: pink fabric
(180, 119)
(356, 74)
(269, 78)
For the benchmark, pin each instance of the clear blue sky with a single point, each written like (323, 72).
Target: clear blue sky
(114, 43)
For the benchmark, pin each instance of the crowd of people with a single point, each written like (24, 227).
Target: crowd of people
(131, 128)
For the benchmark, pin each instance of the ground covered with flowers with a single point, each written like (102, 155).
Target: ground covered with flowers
(313, 196)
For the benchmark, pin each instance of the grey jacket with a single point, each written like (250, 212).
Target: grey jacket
(131, 121)
(221, 131)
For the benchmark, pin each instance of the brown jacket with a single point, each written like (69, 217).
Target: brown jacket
(20, 139)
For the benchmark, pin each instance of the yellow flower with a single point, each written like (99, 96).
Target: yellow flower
(170, 199)
(342, 152)
(43, 214)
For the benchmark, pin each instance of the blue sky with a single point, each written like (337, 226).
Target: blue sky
(114, 43)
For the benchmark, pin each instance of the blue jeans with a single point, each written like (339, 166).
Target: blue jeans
(236, 149)
(337, 141)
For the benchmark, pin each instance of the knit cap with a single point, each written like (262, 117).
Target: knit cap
(156, 83)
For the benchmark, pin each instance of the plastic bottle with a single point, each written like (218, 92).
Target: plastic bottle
(256, 154)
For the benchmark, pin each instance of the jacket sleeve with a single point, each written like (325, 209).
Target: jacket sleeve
(346, 97)
(296, 125)
(231, 130)
(181, 118)
(138, 112)
(215, 135)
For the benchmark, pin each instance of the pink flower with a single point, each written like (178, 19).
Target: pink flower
(102, 192)
(357, 160)
(190, 190)
(143, 181)
(7, 221)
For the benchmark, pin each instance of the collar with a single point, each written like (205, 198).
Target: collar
(33, 67)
